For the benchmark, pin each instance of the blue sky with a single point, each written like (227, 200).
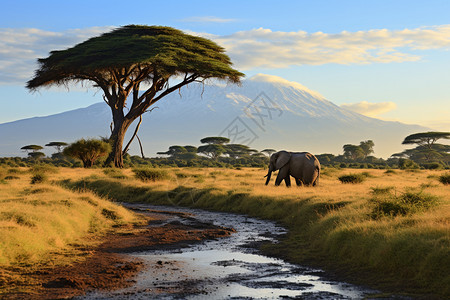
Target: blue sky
(387, 59)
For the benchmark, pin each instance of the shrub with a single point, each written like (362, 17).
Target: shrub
(445, 178)
(382, 190)
(402, 205)
(352, 178)
(147, 174)
(43, 169)
(390, 171)
(407, 164)
(114, 173)
(38, 178)
(88, 151)
(433, 166)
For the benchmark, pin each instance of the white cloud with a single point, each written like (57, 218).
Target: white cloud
(20, 48)
(264, 48)
(257, 48)
(207, 19)
(370, 109)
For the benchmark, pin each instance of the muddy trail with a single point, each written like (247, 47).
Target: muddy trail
(228, 267)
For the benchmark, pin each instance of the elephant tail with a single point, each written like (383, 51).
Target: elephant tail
(316, 181)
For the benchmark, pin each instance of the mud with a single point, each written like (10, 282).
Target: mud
(109, 267)
(226, 268)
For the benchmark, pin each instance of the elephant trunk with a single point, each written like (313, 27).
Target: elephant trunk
(269, 173)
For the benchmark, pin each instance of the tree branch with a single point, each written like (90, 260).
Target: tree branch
(125, 150)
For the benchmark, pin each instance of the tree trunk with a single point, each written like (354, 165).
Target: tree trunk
(121, 125)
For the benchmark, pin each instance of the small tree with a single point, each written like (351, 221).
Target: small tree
(36, 155)
(353, 151)
(215, 140)
(32, 148)
(269, 152)
(238, 150)
(426, 139)
(213, 150)
(367, 147)
(88, 151)
(427, 149)
(58, 145)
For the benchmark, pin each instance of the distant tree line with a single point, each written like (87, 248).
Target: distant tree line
(218, 152)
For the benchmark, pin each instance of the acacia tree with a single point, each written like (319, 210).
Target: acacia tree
(269, 151)
(426, 139)
(135, 61)
(427, 149)
(367, 147)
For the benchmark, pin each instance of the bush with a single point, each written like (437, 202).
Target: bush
(402, 205)
(433, 166)
(114, 173)
(390, 171)
(148, 174)
(407, 164)
(352, 178)
(382, 190)
(88, 151)
(38, 178)
(445, 178)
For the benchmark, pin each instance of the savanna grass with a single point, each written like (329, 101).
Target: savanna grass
(329, 225)
(149, 174)
(40, 225)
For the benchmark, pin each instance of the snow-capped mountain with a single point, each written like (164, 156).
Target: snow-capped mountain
(264, 112)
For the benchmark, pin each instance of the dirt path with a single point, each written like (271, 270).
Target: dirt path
(108, 267)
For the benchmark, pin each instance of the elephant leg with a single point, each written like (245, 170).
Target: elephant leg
(282, 174)
(298, 182)
(287, 180)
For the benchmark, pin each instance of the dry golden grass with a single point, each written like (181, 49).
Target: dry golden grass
(38, 221)
(330, 223)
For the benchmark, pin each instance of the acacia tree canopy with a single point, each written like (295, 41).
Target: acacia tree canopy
(215, 140)
(425, 138)
(33, 148)
(122, 61)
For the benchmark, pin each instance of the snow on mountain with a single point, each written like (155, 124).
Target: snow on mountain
(264, 112)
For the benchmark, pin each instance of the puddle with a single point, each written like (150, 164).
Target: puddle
(227, 268)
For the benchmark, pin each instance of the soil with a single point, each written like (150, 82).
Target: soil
(108, 267)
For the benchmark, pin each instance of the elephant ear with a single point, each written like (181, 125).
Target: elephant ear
(283, 158)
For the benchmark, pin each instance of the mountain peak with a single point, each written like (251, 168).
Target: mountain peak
(260, 77)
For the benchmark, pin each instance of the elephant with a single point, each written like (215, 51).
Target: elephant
(303, 166)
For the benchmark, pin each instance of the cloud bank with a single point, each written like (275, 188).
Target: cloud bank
(20, 48)
(370, 109)
(257, 48)
(264, 48)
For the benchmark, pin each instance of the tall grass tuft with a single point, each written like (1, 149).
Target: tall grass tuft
(445, 179)
(389, 205)
(39, 178)
(148, 174)
(352, 178)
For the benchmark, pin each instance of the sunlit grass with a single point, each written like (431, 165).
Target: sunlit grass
(40, 219)
(332, 223)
